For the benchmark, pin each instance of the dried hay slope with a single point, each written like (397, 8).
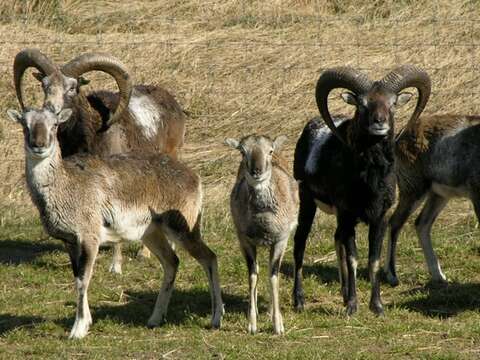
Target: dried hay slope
(241, 66)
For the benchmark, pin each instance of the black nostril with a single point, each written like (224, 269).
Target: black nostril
(256, 171)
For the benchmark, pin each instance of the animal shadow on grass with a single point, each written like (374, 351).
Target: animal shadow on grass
(184, 305)
(15, 252)
(443, 301)
(10, 322)
(323, 273)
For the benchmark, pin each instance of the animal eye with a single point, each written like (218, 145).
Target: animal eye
(271, 152)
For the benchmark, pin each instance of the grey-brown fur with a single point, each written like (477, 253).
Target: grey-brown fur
(86, 200)
(437, 159)
(264, 205)
(90, 129)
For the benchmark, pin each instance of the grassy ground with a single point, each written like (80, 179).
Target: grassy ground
(239, 67)
(38, 302)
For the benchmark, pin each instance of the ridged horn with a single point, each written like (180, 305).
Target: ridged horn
(28, 58)
(340, 77)
(406, 76)
(108, 64)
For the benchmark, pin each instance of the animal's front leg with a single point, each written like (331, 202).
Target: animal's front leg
(376, 233)
(276, 255)
(347, 250)
(250, 254)
(305, 219)
(83, 258)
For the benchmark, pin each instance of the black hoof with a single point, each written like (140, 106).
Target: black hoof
(344, 293)
(391, 279)
(299, 302)
(351, 308)
(377, 309)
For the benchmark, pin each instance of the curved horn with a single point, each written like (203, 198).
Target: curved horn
(407, 76)
(108, 64)
(30, 58)
(340, 77)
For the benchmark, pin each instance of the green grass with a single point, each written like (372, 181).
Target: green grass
(38, 302)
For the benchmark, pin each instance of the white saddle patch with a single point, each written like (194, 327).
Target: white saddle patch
(318, 141)
(146, 114)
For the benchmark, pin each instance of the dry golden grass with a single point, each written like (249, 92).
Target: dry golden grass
(241, 66)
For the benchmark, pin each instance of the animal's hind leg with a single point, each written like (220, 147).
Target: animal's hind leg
(116, 266)
(193, 243)
(406, 206)
(423, 224)
(305, 219)
(157, 243)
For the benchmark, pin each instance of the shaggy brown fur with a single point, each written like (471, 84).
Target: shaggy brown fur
(86, 200)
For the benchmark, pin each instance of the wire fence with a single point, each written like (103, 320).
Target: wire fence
(253, 72)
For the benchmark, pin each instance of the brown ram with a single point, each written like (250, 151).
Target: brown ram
(141, 118)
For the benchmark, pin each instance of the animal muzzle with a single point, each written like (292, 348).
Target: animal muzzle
(38, 141)
(256, 173)
(380, 129)
(379, 126)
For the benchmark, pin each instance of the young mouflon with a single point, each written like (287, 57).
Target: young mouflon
(85, 201)
(264, 205)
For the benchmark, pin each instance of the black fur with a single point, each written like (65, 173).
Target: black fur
(359, 182)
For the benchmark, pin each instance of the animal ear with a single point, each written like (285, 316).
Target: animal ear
(83, 81)
(14, 115)
(403, 98)
(64, 115)
(39, 76)
(232, 143)
(349, 98)
(278, 142)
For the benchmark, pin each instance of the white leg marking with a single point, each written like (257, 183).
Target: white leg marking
(83, 318)
(252, 310)
(116, 266)
(276, 255)
(276, 314)
(433, 264)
